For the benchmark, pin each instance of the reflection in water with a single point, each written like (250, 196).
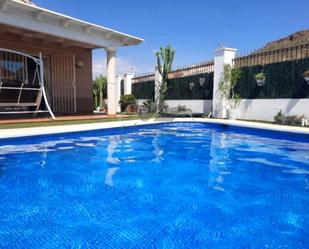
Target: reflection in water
(43, 162)
(157, 149)
(297, 171)
(113, 143)
(307, 184)
(109, 176)
(217, 165)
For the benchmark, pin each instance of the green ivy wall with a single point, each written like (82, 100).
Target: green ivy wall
(283, 80)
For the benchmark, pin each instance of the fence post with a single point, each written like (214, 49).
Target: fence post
(128, 83)
(158, 81)
(222, 56)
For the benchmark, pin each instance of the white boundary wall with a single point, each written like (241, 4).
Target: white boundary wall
(266, 109)
(196, 106)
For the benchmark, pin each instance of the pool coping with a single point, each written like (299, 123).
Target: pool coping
(49, 130)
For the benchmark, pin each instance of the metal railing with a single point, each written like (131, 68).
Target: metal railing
(272, 56)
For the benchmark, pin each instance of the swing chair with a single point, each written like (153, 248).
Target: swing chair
(21, 89)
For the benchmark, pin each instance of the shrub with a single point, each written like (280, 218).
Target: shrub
(294, 120)
(279, 118)
(127, 100)
(148, 105)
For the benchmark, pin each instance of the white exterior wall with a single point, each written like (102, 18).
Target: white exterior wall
(197, 106)
(266, 109)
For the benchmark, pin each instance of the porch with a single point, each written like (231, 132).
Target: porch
(66, 46)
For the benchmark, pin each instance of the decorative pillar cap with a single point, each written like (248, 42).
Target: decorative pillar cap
(226, 49)
(220, 51)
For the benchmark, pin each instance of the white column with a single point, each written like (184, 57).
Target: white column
(222, 56)
(128, 83)
(119, 79)
(111, 82)
(158, 81)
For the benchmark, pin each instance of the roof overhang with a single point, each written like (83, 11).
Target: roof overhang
(36, 19)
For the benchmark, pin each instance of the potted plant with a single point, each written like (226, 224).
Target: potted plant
(127, 102)
(260, 78)
(306, 76)
(229, 80)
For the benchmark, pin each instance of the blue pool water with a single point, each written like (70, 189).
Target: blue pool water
(185, 185)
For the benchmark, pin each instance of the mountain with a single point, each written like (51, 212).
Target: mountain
(297, 38)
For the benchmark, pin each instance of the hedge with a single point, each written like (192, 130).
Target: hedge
(283, 80)
(144, 90)
(179, 88)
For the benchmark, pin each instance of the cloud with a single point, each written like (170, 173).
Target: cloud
(123, 66)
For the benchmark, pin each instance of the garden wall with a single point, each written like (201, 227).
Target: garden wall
(198, 97)
(266, 109)
(196, 106)
(285, 89)
(284, 80)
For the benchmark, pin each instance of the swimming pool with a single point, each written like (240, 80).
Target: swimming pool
(175, 185)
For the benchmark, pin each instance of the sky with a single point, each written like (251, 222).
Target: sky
(194, 28)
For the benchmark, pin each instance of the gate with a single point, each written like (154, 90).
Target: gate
(63, 83)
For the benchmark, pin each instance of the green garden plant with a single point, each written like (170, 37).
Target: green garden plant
(260, 76)
(127, 100)
(165, 57)
(228, 82)
(293, 120)
(148, 105)
(98, 88)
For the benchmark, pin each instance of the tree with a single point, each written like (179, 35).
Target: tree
(98, 89)
(165, 57)
(228, 82)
